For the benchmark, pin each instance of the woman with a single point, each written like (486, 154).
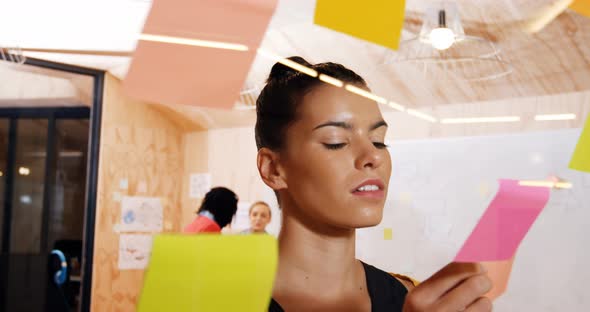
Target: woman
(217, 210)
(321, 149)
(260, 215)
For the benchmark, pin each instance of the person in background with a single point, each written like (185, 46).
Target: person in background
(322, 150)
(260, 217)
(217, 210)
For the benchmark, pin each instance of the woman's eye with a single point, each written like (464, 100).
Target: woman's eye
(380, 145)
(334, 146)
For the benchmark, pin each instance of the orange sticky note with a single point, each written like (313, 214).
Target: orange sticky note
(581, 6)
(499, 273)
(377, 21)
(197, 52)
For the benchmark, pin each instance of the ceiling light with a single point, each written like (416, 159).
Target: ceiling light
(365, 93)
(194, 42)
(480, 120)
(287, 62)
(331, 80)
(26, 199)
(555, 117)
(442, 38)
(550, 184)
(421, 115)
(443, 51)
(396, 106)
(24, 171)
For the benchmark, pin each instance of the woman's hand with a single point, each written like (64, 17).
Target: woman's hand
(456, 287)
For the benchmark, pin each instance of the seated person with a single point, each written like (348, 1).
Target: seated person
(260, 216)
(217, 210)
(321, 149)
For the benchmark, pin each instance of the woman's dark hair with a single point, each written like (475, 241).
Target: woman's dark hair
(222, 203)
(276, 106)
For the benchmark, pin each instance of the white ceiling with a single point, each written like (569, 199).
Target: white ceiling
(553, 61)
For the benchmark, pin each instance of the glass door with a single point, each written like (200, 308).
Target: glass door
(43, 162)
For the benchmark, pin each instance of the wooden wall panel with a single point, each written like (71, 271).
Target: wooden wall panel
(140, 145)
(195, 149)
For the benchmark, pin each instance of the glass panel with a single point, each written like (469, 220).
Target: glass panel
(29, 176)
(66, 223)
(4, 125)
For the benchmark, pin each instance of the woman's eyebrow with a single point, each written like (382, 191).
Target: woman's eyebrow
(378, 124)
(339, 124)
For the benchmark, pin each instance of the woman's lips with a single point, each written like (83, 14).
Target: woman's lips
(371, 188)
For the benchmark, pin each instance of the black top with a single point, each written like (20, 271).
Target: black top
(386, 292)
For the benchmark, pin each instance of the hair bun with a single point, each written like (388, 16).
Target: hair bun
(280, 71)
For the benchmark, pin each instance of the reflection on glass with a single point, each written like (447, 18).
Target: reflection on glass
(29, 177)
(3, 158)
(67, 208)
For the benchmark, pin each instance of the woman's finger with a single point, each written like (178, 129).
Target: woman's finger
(466, 293)
(482, 304)
(446, 279)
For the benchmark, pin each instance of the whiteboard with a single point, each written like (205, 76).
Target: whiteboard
(440, 187)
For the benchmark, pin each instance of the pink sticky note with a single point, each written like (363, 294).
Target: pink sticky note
(505, 223)
(174, 73)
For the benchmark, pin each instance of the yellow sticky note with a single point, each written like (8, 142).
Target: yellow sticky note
(581, 158)
(387, 234)
(210, 272)
(582, 7)
(377, 21)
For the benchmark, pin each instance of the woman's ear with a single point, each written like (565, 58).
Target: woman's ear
(270, 170)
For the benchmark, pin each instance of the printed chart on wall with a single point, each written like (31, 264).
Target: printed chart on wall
(141, 218)
(141, 214)
(134, 251)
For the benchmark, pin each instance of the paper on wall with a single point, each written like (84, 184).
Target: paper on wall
(199, 184)
(134, 251)
(242, 219)
(141, 214)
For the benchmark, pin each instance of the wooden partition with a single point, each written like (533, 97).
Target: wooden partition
(141, 153)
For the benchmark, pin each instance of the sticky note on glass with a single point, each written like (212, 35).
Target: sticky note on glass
(581, 6)
(499, 273)
(210, 273)
(377, 21)
(505, 223)
(387, 234)
(581, 158)
(197, 52)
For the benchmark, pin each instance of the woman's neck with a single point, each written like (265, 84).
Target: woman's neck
(314, 261)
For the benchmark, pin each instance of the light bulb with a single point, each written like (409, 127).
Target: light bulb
(442, 38)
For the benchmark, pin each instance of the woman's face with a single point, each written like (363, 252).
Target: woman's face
(259, 218)
(335, 163)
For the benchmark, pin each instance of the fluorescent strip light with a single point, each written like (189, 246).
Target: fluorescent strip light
(194, 42)
(394, 105)
(420, 115)
(555, 117)
(289, 63)
(331, 80)
(550, 184)
(365, 93)
(480, 120)
(245, 107)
